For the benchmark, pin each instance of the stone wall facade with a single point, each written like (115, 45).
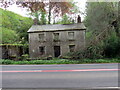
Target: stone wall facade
(67, 41)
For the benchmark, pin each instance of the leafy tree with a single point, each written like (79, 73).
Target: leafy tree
(56, 8)
(6, 3)
(102, 40)
(65, 19)
(99, 15)
(112, 46)
(100, 18)
(43, 18)
(9, 36)
(15, 22)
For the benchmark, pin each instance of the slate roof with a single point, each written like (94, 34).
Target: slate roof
(57, 27)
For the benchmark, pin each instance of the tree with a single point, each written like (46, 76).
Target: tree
(15, 22)
(9, 36)
(56, 8)
(5, 3)
(65, 19)
(43, 18)
(102, 21)
(99, 15)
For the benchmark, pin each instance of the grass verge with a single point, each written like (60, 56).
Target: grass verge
(59, 61)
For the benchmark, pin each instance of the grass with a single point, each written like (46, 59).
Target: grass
(59, 61)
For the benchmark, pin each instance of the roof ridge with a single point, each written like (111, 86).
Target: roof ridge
(57, 27)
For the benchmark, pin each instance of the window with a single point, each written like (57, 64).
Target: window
(72, 48)
(42, 50)
(71, 35)
(41, 37)
(56, 36)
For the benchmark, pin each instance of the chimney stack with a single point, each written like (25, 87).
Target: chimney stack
(79, 19)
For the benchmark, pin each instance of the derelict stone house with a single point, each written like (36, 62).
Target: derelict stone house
(55, 40)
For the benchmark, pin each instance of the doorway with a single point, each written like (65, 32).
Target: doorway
(56, 51)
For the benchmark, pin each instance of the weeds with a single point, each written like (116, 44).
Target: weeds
(60, 61)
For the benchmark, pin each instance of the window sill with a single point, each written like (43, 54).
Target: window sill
(43, 41)
(71, 39)
(56, 40)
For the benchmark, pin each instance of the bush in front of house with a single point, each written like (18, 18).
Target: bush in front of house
(7, 61)
(100, 61)
(60, 61)
(54, 61)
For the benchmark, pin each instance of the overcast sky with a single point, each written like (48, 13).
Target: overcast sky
(22, 11)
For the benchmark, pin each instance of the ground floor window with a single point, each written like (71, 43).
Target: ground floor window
(42, 50)
(71, 48)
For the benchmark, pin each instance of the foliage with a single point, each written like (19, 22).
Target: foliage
(112, 46)
(43, 18)
(100, 61)
(105, 14)
(58, 8)
(12, 45)
(9, 36)
(16, 24)
(92, 52)
(6, 3)
(53, 9)
(24, 56)
(100, 16)
(65, 19)
(54, 61)
(61, 61)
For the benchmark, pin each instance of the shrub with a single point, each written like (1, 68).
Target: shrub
(112, 47)
(61, 61)
(7, 62)
(9, 36)
(24, 56)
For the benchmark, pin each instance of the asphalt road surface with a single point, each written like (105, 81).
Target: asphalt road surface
(52, 77)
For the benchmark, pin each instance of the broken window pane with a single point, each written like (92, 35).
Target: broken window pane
(42, 50)
(72, 48)
(41, 37)
(56, 36)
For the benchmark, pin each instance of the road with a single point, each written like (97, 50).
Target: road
(74, 76)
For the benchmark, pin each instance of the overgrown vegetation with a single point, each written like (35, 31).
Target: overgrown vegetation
(103, 37)
(60, 61)
(14, 27)
(112, 46)
(9, 36)
(99, 16)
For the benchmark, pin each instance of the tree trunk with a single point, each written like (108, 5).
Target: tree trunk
(49, 15)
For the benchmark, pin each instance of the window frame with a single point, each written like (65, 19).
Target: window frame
(73, 37)
(41, 52)
(54, 37)
(43, 38)
(71, 47)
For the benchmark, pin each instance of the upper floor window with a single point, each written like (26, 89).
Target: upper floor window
(56, 36)
(71, 35)
(41, 37)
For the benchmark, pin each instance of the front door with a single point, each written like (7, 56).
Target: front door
(56, 51)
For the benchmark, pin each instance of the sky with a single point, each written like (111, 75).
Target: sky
(23, 12)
